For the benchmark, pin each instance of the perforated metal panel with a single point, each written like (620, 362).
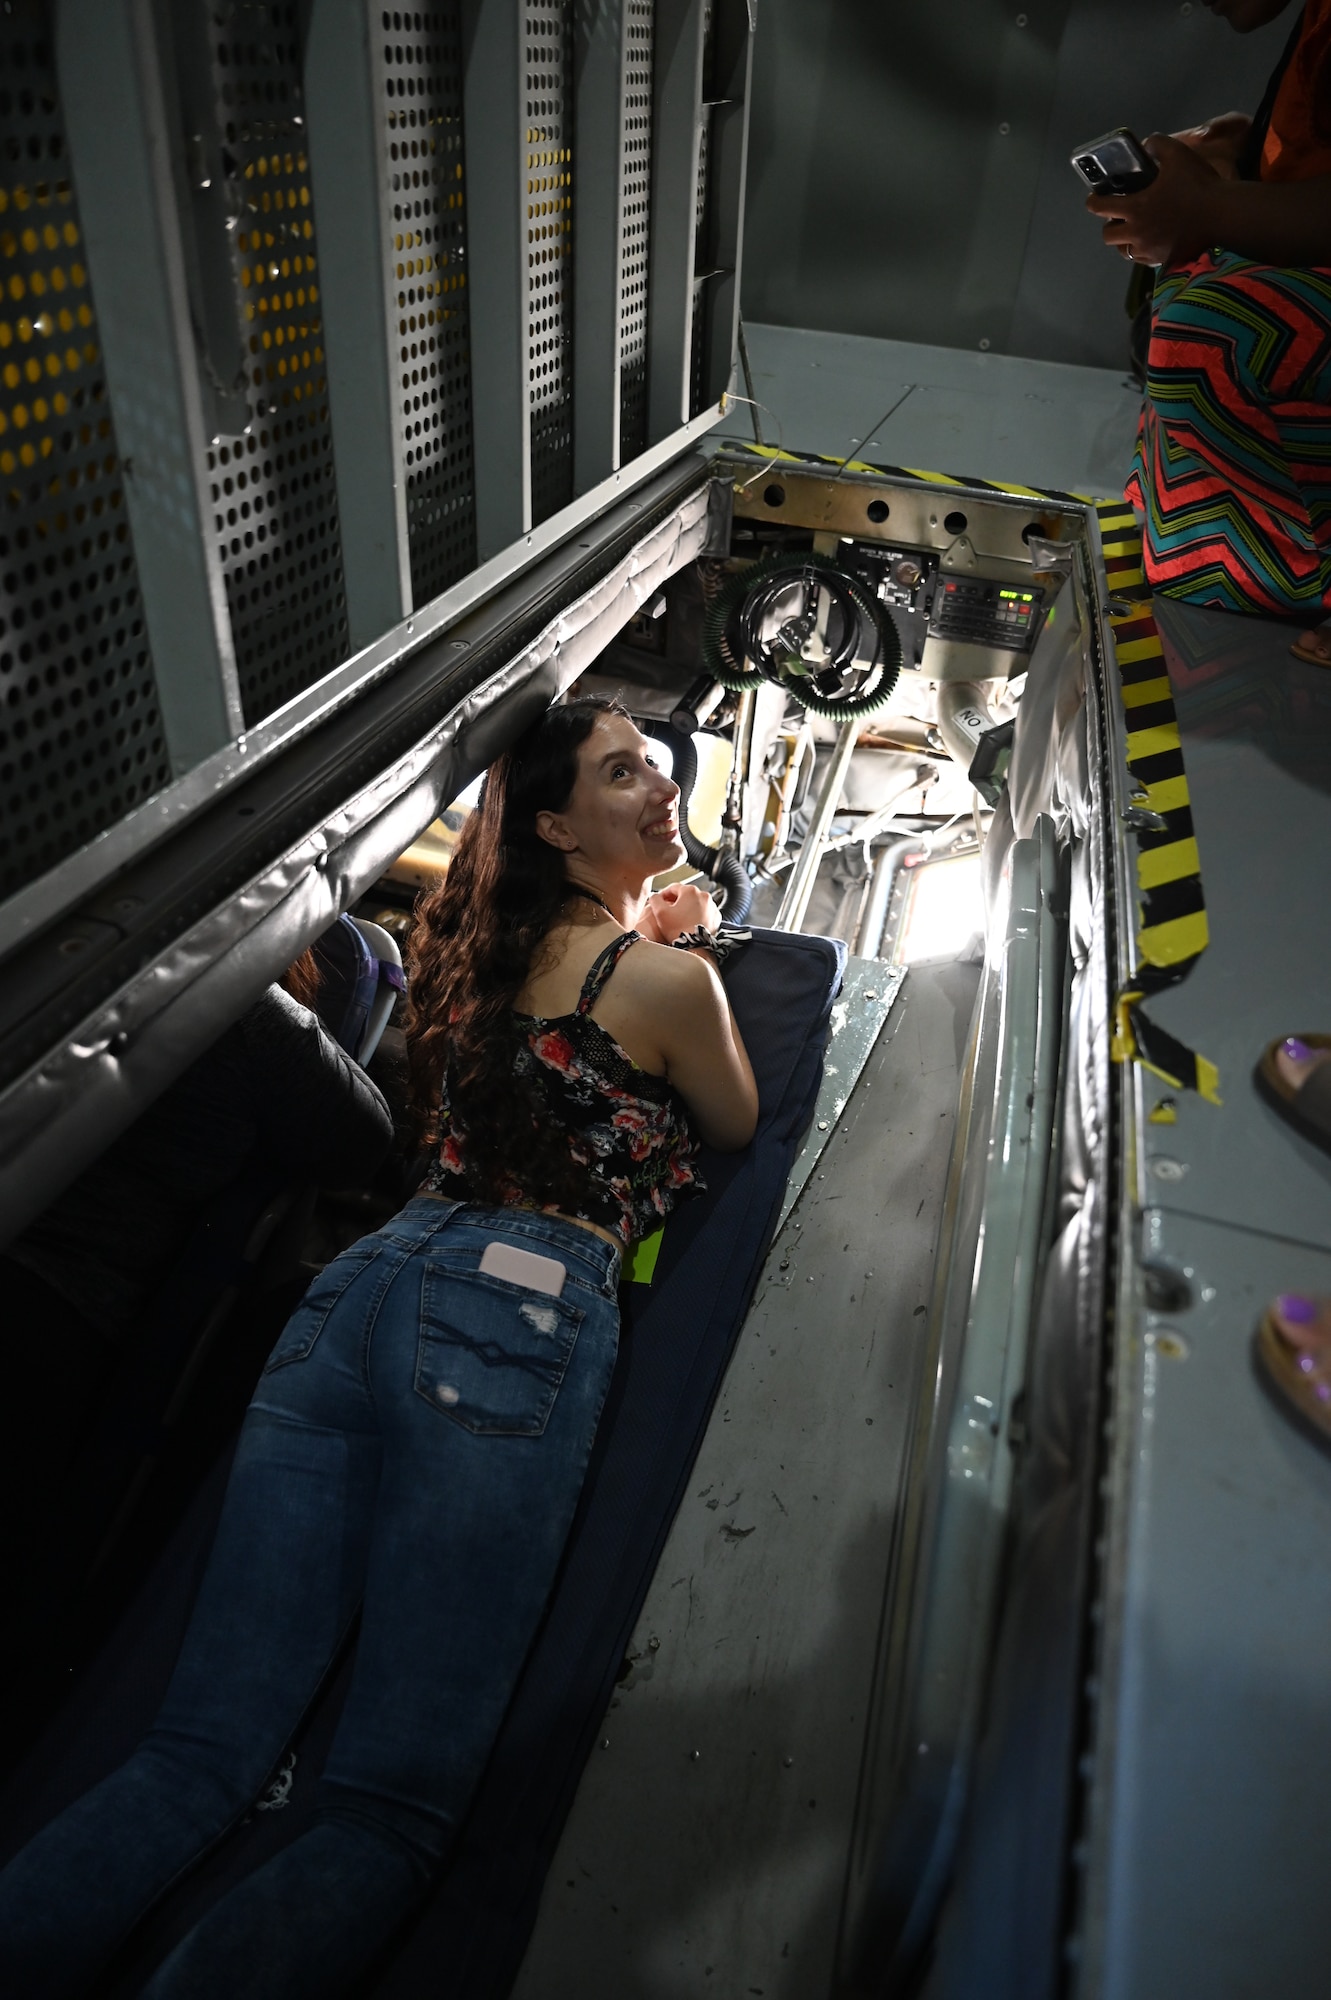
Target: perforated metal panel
(548, 37)
(81, 738)
(274, 491)
(426, 192)
(702, 255)
(635, 220)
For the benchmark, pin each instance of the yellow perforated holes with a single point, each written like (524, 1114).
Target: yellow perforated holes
(80, 737)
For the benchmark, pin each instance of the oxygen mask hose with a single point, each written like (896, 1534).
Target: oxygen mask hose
(809, 626)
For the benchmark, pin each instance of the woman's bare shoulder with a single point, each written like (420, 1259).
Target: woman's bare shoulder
(659, 974)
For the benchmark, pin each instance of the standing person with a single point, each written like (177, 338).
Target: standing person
(423, 1428)
(1233, 467)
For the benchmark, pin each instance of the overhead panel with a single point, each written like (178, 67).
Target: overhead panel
(426, 242)
(273, 487)
(613, 65)
(635, 226)
(548, 141)
(81, 734)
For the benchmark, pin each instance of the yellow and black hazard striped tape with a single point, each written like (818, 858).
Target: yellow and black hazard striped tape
(773, 453)
(1172, 930)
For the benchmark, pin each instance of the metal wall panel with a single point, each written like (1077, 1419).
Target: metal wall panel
(909, 170)
(613, 69)
(81, 734)
(548, 60)
(274, 490)
(421, 96)
(342, 442)
(635, 229)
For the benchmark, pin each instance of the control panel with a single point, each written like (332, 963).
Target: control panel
(904, 580)
(982, 613)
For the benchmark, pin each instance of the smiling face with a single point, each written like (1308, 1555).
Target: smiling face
(621, 824)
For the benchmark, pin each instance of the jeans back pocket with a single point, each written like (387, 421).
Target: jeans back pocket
(492, 1355)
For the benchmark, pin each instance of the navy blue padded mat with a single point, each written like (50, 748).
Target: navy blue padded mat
(678, 1335)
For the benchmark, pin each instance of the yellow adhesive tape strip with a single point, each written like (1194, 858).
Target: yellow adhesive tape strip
(1151, 742)
(1141, 694)
(1130, 650)
(1158, 865)
(1172, 943)
(1167, 795)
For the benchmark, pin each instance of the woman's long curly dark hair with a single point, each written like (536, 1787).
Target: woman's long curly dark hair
(471, 951)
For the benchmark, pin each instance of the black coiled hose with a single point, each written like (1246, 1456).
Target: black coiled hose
(726, 870)
(738, 654)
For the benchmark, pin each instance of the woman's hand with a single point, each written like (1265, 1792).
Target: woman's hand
(1173, 220)
(1219, 141)
(1190, 208)
(679, 907)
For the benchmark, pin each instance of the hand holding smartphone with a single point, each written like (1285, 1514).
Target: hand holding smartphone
(1118, 163)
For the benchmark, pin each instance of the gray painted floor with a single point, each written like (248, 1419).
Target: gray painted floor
(941, 409)
(1211, 1865)
(1256, 731)
(707, 1847)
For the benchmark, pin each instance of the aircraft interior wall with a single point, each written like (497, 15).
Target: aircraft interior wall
(908, 165)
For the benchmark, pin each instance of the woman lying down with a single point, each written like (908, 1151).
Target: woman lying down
(423, 1427)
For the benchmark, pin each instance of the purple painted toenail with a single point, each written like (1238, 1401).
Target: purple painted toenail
(1322, 1392)
(1296, 1050)
(1307, 1363)
(1298, 1310)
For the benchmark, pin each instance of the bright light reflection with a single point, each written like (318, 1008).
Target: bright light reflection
(466, 801)
(944, 910)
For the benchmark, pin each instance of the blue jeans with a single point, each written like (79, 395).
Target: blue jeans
(418, 1442)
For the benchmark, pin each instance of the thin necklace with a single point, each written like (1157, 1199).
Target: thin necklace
(576, 889)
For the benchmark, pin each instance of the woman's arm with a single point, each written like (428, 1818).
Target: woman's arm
(704, 1053)
(1190, 208)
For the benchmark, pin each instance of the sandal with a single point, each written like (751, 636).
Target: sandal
(1307, 1102)
(1314, 646)
(1294, 1351)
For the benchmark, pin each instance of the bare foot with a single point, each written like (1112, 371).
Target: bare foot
(1303, 1324)
(1295, 1060)
(1314, 646)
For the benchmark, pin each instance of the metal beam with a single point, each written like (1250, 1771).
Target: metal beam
(732, 68)
(128, 162)
(343, 93)
(599, 66)
(677, 118)
(494, 118)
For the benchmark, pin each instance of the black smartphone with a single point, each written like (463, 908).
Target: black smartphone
(1116, 164)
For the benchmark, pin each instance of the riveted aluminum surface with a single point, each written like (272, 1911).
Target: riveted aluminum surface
(548, 55)
(81, 737)
(635, 214)
(419, 74)
(274, 492)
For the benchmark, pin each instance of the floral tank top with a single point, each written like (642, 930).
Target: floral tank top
(627, 1128)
